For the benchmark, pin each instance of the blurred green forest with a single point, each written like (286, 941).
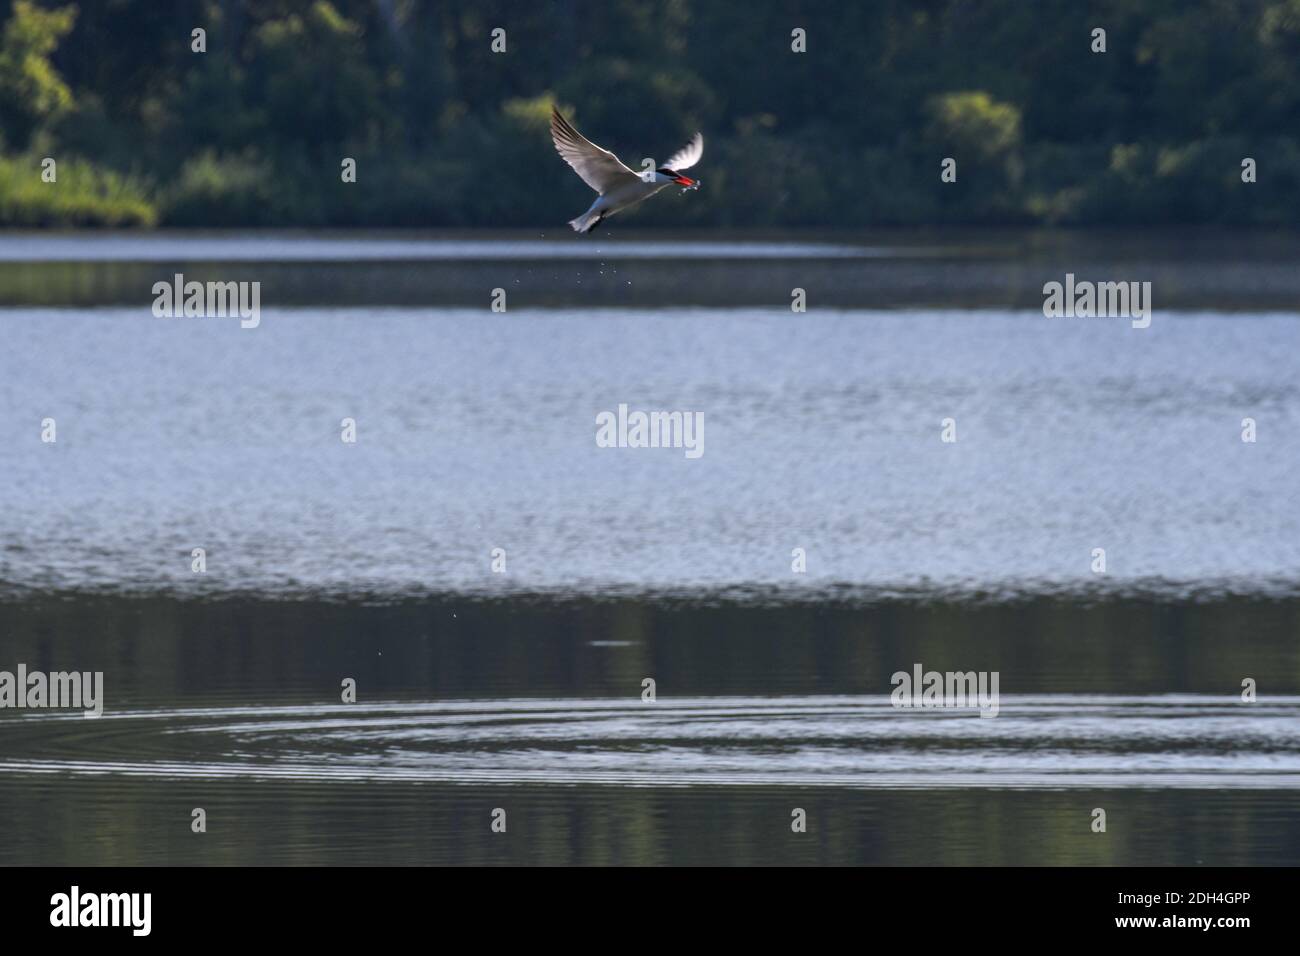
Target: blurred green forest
(448, 133)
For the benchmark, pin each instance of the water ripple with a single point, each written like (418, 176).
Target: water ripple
(1035, 742)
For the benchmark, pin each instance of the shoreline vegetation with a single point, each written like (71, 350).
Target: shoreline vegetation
(254, 129)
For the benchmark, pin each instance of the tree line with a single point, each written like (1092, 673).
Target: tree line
(815, 114)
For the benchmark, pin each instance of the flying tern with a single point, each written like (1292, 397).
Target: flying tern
(619, 187)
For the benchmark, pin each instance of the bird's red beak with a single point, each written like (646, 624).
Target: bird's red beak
(684, 181)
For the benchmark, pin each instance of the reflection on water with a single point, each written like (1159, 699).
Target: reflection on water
(175, 653)
(534, 706)
(948, 268)
(162, 248)
(141, 821)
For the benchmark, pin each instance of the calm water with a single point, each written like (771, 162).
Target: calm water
(476, 430)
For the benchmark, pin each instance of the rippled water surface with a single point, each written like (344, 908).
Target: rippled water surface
(684, 781)
(521, 689)
(477, 430)
(1053, 742)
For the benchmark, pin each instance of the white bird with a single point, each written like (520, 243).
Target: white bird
(619, 187)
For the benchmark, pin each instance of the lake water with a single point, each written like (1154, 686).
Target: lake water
(520, 687)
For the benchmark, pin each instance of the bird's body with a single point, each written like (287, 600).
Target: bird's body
(619, 187)
(620, 197)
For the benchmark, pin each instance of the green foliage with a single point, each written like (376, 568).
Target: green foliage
(31, 91)
(311, 81)
(983, 135)
(448, 133)
(83, 195)
(221, 190)
(975, 125)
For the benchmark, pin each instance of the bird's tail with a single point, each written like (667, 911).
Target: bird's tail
(586, 222)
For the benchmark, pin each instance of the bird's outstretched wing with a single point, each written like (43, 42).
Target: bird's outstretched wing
(599, 168)
(688, 155)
